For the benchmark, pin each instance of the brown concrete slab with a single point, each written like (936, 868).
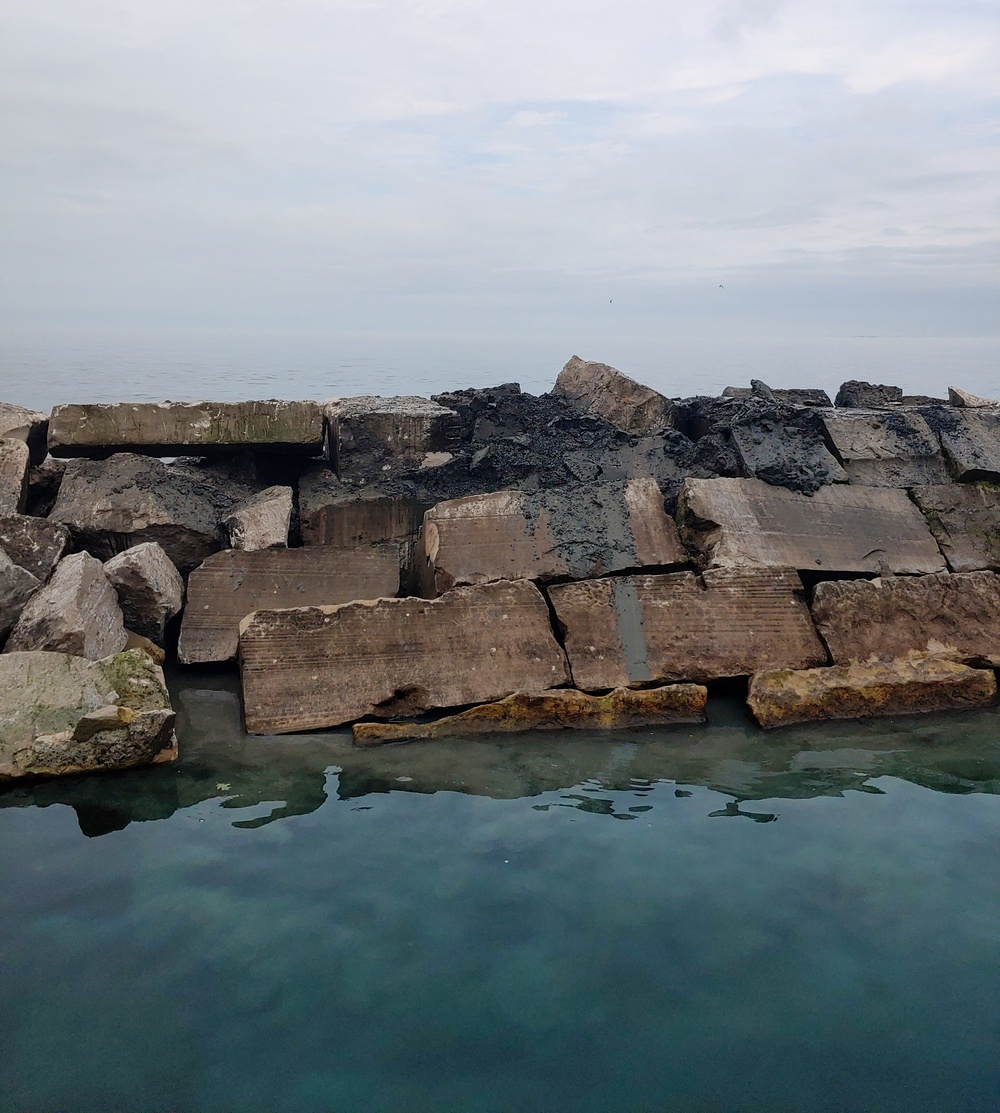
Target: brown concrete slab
(575, 531)
(604, 391)
(635, 629)
(956, 615)
(318, 667)
(965, 521)
(741, 523)
(874, 690)
(556, 709)
(233, 583)
(885, 449)
(186, 428)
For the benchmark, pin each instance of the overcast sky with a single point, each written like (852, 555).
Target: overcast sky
(450, 165)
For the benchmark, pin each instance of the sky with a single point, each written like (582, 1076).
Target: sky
(755, 165)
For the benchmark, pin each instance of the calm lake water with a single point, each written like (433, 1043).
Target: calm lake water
(42, 368)
(704, 919)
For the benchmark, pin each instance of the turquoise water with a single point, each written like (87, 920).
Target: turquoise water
(706, 919)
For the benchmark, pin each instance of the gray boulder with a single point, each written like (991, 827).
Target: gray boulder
(261, 521)
(150, 589)
(17, 585)
(14, 465)
(62, 714)
(76, 612)
(21, 424)
(596, 388)
(34, 543)
(856, 393)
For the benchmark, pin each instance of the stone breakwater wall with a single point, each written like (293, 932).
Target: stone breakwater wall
(486, 560)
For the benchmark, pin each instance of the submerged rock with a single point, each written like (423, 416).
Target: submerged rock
(865, 690)
(556, 709)
(61, 714)
(76, 612)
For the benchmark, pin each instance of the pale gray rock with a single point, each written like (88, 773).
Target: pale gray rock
(598, 389)
(76, 612)
(150, 589)
(21, 424)
(967, 401)
(14, 465)
(62, 714)
(885, 448)
(17, 585)
(261, 521)
(34, 543)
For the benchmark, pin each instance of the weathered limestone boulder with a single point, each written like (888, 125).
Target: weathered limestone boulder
(14, 465)
(866, 396)
(736, 523)
(793, 396)
(599, 389)
(150, 589)
(321, 666)
(62, 714)
(965, 521)
(186, 428)
(261, 521)
(969, 401)
(17, 585)
(232, 584)
(34, 543)
(971, 443)
(951, 615)
(76, 612)
(556, 709)
(892, 448)
(111, 505)
(369, 433)
(862, 691)
(635, 629)
(333, 513)
(20, 424)
(576, 532)
(784, 446)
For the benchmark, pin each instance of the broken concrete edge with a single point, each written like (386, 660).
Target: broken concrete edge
(552, 709)
(916, 684)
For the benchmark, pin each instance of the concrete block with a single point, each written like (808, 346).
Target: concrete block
(965, 521)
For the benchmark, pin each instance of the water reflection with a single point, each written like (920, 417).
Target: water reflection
(292, 775)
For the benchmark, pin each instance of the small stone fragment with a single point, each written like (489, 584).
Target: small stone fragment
(951, 615)
(76, 612)
(17, 585)
(14, 464)
(150, 589)
(232, 584)
(62, 714)
(739, 523)
(867, 396)
(260, 521)
(598, 389)
(969, 401)
(557, 709)
(34, 543)
(965, 521)
(314, 667)
(186, 428)
(862, 691)
(21, 424)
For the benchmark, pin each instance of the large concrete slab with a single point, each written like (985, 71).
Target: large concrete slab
(965, 521)
(368, 432)
(955, 615)
(233, 583)
(873, 690)
(893, 448)
(321, 666)
(556, 709)
(598, 389)
(740, 523)
(186, 428)
(635, 629)
(15, 463)
(575, 532)
(971, 442)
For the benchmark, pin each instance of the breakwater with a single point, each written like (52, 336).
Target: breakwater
(487, 560)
